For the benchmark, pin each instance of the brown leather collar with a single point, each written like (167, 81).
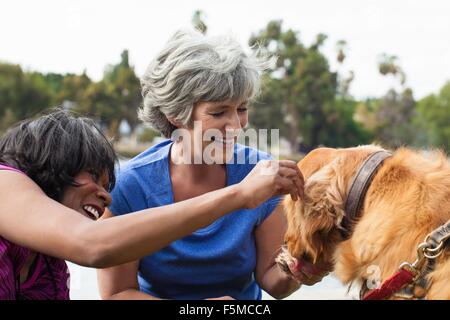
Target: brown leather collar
(360, 185)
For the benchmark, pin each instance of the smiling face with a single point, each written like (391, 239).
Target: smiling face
(217, 125)
(90, 197)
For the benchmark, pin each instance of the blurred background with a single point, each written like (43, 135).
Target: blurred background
(349, 72)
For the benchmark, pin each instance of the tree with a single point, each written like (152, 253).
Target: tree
(396, 111)
(341, 46)
(387, 64)
(198, 21)
(126, 89)
(304, 90)
(54, 83)
(98, 102)
(115, 98)
(72, 88)
(264, 113)
(21, 94)
(365, 113)
(394, 118)
(343, 129)
(434, 116)
(11, 78)
(344, 82)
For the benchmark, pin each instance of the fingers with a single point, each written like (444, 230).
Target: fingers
(286, 186)
(292, 165)
(294, 196)
(299, 275)
(296, 178)
(288, 163)
(289, 179)
(299, 179)
(305, 272)
(288, 172)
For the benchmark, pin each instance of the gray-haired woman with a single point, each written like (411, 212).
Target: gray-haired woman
(196, 92)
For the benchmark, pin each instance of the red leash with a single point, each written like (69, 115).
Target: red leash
(395, 283)
(407, 273)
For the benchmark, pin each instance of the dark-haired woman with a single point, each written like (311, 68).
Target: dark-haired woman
(55, 176)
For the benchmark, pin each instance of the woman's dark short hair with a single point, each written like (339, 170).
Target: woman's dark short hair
(55, 147)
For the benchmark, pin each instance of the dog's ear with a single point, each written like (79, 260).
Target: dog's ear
(318, 216)
(292, 236)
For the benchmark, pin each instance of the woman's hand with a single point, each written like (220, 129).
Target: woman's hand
(270, 178)
(307, 273)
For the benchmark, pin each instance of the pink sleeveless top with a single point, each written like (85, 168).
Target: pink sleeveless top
(48, 277)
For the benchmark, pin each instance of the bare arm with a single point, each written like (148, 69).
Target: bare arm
(31, 219)
(120, 282)
(269, 239)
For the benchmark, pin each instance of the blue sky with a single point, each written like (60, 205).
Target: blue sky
(70, 36)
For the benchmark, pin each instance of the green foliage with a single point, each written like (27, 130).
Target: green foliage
(394, 116)
(22, 94)
(268, 111)
(388, 65)
(343, 130)
(98, 101)
(73, 88)
(304, 90)
(113, 99)
(365, 114)
(302, 97)
(434, 116)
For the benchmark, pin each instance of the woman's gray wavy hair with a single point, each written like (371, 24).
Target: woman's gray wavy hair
(196, 68)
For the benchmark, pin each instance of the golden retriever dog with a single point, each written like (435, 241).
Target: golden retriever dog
(409, 197)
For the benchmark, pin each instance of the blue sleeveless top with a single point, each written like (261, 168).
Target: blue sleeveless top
(215, 261)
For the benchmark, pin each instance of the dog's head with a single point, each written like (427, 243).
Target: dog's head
(314, 223)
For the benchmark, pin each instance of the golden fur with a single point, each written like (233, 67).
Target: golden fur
(407, 199)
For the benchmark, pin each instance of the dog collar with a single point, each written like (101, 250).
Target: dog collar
(360, 185)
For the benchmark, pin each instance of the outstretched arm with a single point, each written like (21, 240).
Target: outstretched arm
(31, 219)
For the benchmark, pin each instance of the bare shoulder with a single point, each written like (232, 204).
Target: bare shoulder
(275, 222)
(17, 184)
(17, 192)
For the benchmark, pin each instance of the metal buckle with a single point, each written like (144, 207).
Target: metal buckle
(433, 253)
(416, 267)
(424, 251)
